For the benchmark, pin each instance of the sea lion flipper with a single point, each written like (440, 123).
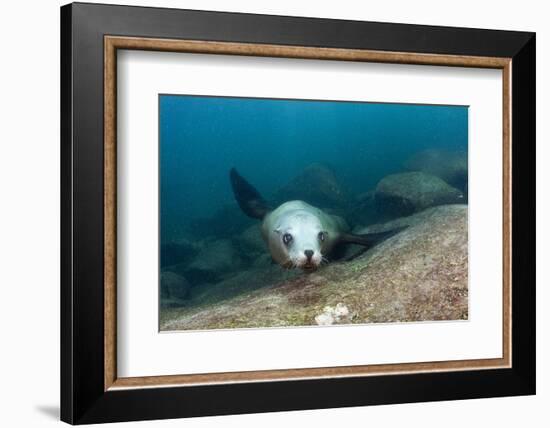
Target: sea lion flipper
(248, 198)
(369, 239)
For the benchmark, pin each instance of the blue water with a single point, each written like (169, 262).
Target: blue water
(270, 141)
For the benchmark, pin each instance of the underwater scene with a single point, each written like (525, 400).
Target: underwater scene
(289, 212)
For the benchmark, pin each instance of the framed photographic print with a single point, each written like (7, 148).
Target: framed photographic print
(264, 213)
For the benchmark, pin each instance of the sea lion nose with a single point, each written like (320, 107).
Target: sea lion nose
(309, 254)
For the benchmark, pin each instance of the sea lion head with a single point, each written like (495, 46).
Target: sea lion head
(298, 240)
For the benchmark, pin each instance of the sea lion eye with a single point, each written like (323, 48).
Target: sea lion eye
(287, 238)
(322, 236)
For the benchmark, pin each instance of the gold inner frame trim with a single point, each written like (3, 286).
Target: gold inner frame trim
(113, 43)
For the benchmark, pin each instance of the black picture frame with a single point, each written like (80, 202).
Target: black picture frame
(83, 398)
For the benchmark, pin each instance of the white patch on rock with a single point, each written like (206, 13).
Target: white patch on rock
(324, 319)
(341, 310)
(332, 315)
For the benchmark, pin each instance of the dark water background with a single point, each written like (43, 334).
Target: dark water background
(270, 141)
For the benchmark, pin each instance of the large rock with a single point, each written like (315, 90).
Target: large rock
(215, 259)
(173, 287)
(420, 274)
(450, 166)
(364, 210)
(317, 185)
(177, 251)
(410, 192)
(251, 242)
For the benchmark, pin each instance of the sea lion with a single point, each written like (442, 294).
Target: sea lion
(298, 234)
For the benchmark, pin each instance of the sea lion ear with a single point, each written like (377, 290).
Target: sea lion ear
(248, 198)
(370, 239)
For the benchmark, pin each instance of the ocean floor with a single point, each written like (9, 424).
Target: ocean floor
(420, 274)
